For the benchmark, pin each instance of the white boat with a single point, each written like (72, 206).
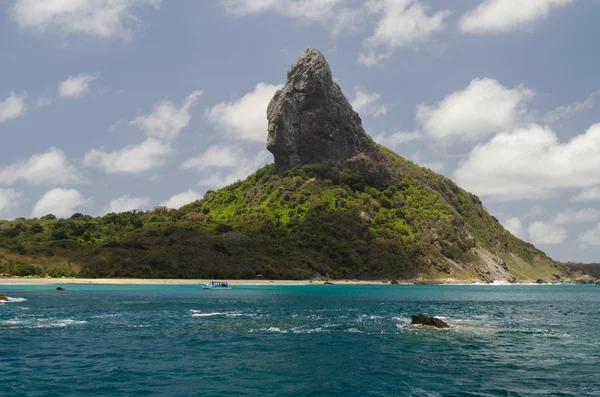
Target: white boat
(216, 285)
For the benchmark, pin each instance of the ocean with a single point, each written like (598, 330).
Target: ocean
(315, 340)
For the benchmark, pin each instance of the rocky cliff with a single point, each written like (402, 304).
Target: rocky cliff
(311, 122)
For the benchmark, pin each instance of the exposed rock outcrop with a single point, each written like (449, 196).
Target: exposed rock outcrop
(3, 298)
(312, 122)
(585, 280)
(421, 319)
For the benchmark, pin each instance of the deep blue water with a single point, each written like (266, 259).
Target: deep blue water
(299, 341)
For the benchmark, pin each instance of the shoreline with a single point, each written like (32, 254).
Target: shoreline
(141, 281)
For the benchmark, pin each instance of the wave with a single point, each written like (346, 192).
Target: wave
(13, 300)
(198, 313)
(41, 323)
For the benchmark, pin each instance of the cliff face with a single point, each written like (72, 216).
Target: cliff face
(312, 122)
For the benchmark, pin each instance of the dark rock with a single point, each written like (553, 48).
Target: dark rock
(430, 321)
(328, 283)
(60, 289)
(3, 298)
(394, 282)
(540, 281)
(312, 122)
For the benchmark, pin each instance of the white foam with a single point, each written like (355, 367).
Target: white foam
(208, 314)
(274, 329)
(13, 300)
(43, 322)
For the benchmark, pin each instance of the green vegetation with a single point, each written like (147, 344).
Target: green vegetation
(313, 220)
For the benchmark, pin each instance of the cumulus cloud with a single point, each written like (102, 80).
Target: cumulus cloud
(161, 126)
(75, 86)
(531, 163)
(245, 118)
(60, 202)
(166, 121)
(546, 233)
(179, 200)
(9, 200)
(216, 157)
(366, 103)
(572, 216)
(589, 194)
(227, 175)
(50, 168)
(127, 203)
(133, 159)
(494, 16)
(12, 107)
(590, 237)
(401, 22)
(514, 226)
(483, 108)
(98, 18)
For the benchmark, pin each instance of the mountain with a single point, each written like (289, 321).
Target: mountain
(334, 204)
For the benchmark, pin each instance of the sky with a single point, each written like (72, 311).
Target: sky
(114, 105)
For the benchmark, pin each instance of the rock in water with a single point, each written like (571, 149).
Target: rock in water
(431, 321)
(60, 289)
(312, 122)
(3, 298)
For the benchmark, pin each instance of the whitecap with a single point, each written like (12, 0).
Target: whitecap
(13, 300)
(208, 314)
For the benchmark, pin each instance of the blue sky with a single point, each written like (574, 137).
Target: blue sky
(112, 105)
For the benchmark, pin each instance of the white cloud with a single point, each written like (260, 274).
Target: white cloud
(493, 16)
(546, 233)
(60, 202)
(372, 58)
(166, 121)
(75, 86)
(530, 163)
(563, 112)
(50, 168)
(483, 108)
(368, 104)
(590, 237)
(179, 200)
(332, 14)
(127, 203)
(133, 159)
(397, 138)
(245, 167)
(581, 216)
(99, 18)
(514, 226)
(245, 118)
(402, 22)
(12, 107)
(590, 194)
(216, 157)
(9, 200)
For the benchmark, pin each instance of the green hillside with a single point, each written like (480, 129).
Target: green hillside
(311, 221)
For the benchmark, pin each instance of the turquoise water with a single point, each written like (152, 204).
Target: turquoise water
(299, 341)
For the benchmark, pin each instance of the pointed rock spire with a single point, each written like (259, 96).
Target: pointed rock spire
(312, 122)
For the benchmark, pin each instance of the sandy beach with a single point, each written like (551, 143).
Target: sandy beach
(138, 281)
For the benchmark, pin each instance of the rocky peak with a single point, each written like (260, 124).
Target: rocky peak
(312, 122)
